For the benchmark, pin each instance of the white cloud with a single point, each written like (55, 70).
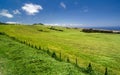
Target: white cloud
(63, 5)
(67, 25)
(53, 24)
(31, 9)
(16, 11)
(10, 22)
(6, 13)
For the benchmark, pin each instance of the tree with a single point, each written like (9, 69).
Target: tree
(38, 24)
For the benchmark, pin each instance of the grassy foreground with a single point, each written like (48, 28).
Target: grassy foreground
(102, 50)
(19, 59)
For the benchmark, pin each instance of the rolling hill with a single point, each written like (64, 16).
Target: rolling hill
(100, 49)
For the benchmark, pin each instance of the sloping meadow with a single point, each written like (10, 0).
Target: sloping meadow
(100, 49)
(20, 59)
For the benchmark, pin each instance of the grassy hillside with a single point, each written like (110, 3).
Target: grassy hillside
(19, 59)
(102, 50)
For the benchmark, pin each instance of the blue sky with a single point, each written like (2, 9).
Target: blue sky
(74, 12)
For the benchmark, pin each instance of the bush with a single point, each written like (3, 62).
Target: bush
(40, 30)
(48, 52)
(23, 42)
(53, 28)
(35, 47)
(2, 33)
(39, 47)
(32, 46)
(68, 60)
(54, 55)
(87, 30)
(89, 68)
(96, 31)
(28, 44)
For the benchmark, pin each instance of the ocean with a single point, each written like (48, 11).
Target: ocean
(117, 28)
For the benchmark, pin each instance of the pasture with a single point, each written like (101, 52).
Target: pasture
(100, 49)
(19, 59)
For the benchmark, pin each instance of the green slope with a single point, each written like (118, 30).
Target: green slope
(19, 59)
(102, 50)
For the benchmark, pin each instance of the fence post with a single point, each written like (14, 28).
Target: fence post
(68, 60)
(76, 62)
(35, 47)
(106, 71)
(39, 47)
(29, 44)
(60, 56)
(32, 46)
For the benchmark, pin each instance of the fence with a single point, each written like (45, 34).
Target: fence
(53, 54)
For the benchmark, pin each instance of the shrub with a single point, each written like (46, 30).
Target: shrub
(40, 30)
(54, 55)
(35, 47)
(87, 30)
(97, 31)
(53, 28)
(60, 30)
(23, 42)
(48, 52)
(13, 38)
(29, 44)
(2, 33)
(39, 47)
(89, 68)
(68, 60)
(32, 46)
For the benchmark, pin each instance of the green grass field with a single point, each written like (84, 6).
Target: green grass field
(102, 50)
(19, 59)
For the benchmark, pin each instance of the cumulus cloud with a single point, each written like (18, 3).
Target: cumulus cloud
(10, 22)
(63, 5)
(6, 13)
(31, 9)
(16, 11)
